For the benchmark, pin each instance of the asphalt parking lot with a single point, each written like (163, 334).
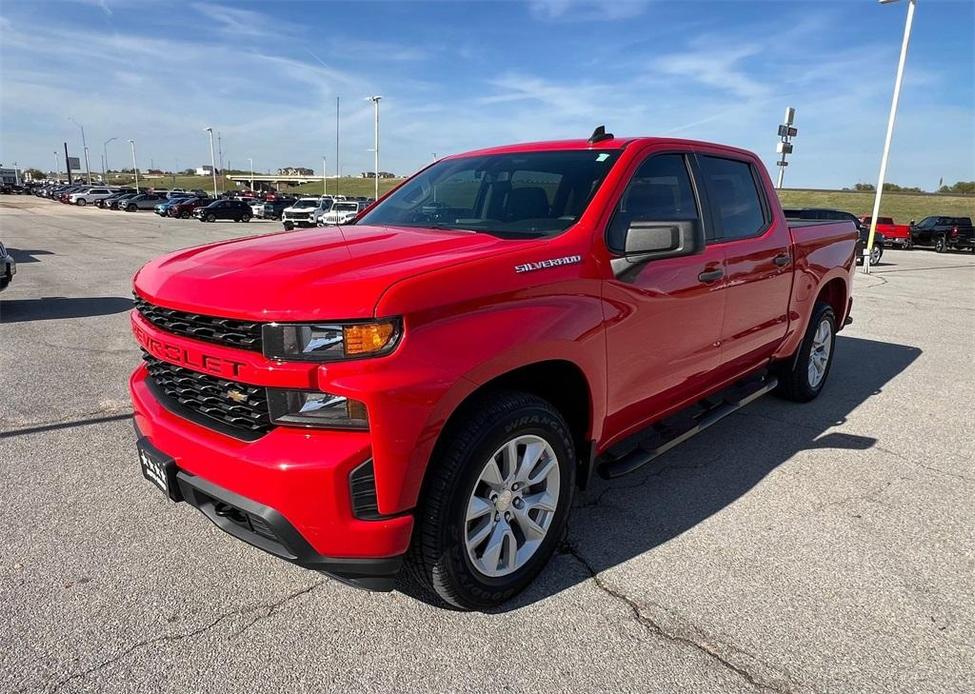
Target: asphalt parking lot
(791, 548)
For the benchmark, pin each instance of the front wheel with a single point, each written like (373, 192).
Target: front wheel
(808, 371)
(210, 217)
(82, 202)
(184, 215)
(131, 208)
(495, 503)
(246, 218)
(941, 245)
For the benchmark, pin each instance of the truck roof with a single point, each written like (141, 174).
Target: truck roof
(610, 143)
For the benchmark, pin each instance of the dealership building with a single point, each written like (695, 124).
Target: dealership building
(9, 177)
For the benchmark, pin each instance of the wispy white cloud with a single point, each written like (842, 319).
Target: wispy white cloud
(586, 10)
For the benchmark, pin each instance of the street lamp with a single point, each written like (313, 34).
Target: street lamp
(252, 173)
(890, 129)
(105, 154)
(85, 146)
(324, 180)
(375, 150)
(213, 163)
(57, 166)
(135, 167)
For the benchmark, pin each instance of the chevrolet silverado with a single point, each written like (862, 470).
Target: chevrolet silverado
(417, 396)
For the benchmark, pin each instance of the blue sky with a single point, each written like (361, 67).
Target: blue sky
(461, 75)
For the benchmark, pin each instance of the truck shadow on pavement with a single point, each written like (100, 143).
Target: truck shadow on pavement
(613, 522)
(54, 307)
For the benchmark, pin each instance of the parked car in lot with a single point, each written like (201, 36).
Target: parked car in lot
(184, 208)
(105, 203)
(162, 209)
(944, 233)
(89, 195)
(237, 210)
(257, 207)
(876, 253)
(119, 203)
(894, 234)
(8, 268)
(342, 212)
(305, 212)
(142, 201)
(274, 208)
(419, 396)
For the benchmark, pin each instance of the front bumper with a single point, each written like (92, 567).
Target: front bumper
(295, 481)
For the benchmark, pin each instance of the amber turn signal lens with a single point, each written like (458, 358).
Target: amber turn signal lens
(367, 338)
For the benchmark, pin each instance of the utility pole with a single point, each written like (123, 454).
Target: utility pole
(105, 157)
(57, 165)
(213, 165)
(375, 141)
(84, 145)
(324, 178)
(67, 162)
(905, 42)
(784, 146)
(220, 151)
(338, 171)
(135, 166)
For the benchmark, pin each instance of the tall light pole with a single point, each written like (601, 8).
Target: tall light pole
(784, 147)
(375, 141)
(57, 165)
(84, 145)
(105, 160)
(213, 163)
(324, 179)
(252, 173)
(338, 171)
(890, 130)
(135, 166)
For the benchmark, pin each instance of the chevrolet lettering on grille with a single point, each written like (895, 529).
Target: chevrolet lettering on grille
(182, 356)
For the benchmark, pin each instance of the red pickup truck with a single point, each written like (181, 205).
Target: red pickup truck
(894, 234)
(417, 396)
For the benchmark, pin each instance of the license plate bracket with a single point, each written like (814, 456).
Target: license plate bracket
(159, 468)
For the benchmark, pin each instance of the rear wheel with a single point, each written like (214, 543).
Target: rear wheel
(495, 503)
(130, 208)
(941, 244)
(245, 218)
(808, 371)
(876, 254)
(184, 215)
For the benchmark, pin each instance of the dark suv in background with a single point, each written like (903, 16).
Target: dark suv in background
(944, 233)
(818, 213)
(237, 210)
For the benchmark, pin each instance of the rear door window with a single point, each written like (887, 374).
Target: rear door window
(736, 202)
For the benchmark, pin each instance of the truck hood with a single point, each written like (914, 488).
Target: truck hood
(304, 275)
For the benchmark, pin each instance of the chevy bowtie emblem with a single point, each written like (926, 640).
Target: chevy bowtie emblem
(237, 396)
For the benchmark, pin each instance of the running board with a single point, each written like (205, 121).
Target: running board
(675, 430)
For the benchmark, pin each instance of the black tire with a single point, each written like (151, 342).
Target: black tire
(793, 374)
(246, 218)
(876, 255)
(184, 215)
(82, 202)
(437, 562)
(941, 244)
(289, 226)
(131, 208)
(210, 217)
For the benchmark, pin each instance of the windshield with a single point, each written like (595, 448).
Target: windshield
(515, 195)
(301, 204)
(345, 207)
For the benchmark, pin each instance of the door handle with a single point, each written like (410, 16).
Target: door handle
(782, 260)
(709, 276)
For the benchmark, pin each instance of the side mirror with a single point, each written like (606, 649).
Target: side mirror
(652, 239)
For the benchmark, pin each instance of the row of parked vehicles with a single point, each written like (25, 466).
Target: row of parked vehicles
(237, 207)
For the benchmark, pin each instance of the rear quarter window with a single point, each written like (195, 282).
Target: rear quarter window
(736, 201)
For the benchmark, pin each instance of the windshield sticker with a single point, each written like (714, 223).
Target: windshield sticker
(602, 156)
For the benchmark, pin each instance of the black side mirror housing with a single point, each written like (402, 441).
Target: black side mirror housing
(652, 239)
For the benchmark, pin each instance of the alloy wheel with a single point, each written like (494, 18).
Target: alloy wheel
(819, 353)
(512, 505)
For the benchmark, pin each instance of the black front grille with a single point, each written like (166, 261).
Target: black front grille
(237, 406)
(223, 331)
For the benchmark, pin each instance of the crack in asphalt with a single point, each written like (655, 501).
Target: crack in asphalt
(270, 609)
(695, 638)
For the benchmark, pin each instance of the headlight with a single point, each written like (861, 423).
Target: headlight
(315, 409)
(330, 342)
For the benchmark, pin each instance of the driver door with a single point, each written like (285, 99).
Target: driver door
(663, 339)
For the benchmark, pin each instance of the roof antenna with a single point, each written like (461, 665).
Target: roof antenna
(600, 134)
